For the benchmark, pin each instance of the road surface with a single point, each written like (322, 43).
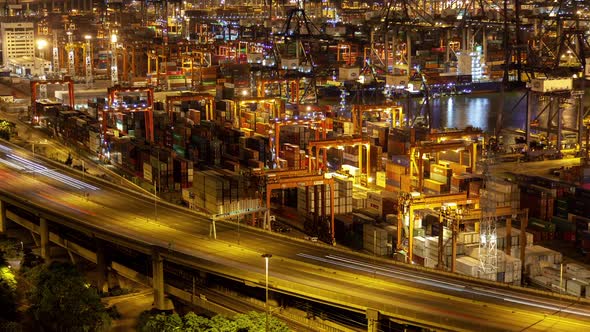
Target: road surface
(315, 271)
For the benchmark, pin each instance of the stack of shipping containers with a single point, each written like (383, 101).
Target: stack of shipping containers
(343, 188)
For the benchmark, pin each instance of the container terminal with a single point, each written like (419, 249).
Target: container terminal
(316, 117)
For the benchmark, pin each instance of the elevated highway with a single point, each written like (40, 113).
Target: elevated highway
(57, 199)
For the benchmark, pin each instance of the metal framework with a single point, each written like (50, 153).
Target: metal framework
(112, 106)
(545, 113)
(300, 39)
(452, 216)
(209, 106)
(275, 131)
(335, 143)
(488, 250)
(279, 182)
(290, 87)
(408, 204)
(34, 84)
(394, 113)
(417, 151)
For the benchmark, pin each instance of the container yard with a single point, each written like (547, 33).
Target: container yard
(325, 108)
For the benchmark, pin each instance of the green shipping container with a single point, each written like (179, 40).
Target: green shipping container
(541, 225)
(563, 225)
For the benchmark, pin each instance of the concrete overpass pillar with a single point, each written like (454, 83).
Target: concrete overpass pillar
(101, 268)
(160, 300)
(44, 233)
(2, 217)
(373, 320)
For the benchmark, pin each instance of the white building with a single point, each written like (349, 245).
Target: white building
(27, 65)
(18, 40)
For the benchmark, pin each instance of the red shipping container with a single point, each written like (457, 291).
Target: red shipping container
(569, 236)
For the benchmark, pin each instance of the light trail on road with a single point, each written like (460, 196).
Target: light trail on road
(426, 298)
(23, 164)
(388, 272)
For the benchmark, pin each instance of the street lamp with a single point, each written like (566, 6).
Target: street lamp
(266, 259)
(41, 44)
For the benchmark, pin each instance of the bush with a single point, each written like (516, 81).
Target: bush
(150, 321)
(61, 300)
(113, 312)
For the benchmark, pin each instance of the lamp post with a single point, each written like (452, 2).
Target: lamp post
(41, 44)
(266, 259)
(156, 185)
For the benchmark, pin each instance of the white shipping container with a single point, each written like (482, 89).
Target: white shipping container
(548, 85)
(487, 276)
(578, 271)
(289, 64)
(396, 80)
(348, 73)
(430, 263)
(254, 57)
(542, 281)
(467, 265)
(335, 31)
(575, 287)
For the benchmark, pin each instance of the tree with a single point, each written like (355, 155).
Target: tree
(5, 129)
(7, 291)
(162, 323)
(30, 260)
(222, 324)
(61, 300)
(195, 323)
(256, 322)
(250, 322)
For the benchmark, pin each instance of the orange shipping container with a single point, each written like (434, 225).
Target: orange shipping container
(261, 129)
(435, 186)
(392, 167)
(405, 183)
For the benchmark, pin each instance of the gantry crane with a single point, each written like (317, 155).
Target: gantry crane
(208, 98)
(156, 55)
(418, 150)
(453, 217)
(279, 181)
(36, 83)
(190, 61)
(347, 52)
(559, 46)
(73, 59)
(290, 87)
(339, 143)
(275, 130)
(114, 66)
(147, 107)
(408, 203)
(300, 39)
(276, 111)
(394, 113)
